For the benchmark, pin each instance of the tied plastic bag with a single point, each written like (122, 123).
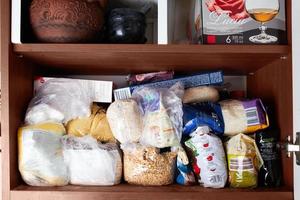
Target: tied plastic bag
(244, 161)
(40, 155)
(59, 100)
(162, 115)
(147, 166)
(202, 114)
(209, 161)
(95, 125)
(125, 120)
(244, 116)
(92, 163)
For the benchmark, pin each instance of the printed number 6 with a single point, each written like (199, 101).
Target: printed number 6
(228, 40)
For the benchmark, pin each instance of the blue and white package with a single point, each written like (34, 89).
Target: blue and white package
(203, 114)
(211, 78)
(185, 174)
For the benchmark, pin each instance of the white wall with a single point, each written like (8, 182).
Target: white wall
(296, 86)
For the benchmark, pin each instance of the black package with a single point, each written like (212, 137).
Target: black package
(270, 172)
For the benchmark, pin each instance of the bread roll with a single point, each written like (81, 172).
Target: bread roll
(201, 94)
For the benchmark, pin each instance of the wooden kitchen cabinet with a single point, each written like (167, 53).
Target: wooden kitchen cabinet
(269, 72)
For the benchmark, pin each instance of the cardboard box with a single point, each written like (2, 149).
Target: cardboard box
(212, 78)
(229, 22)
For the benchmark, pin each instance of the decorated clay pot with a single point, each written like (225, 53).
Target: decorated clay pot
(67, 21)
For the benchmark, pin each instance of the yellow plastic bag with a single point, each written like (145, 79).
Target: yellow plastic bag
(244, 161)
(41, 161)
(96, 125)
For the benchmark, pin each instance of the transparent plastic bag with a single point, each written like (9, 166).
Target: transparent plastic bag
(162, 115)
(147, 166)
(125, 120)
(90, 162)
(59, 100)
(41, 161)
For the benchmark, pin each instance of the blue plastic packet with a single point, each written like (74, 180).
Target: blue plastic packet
(203, 114)
(185, 174)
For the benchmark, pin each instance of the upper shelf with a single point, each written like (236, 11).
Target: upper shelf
(123, 59)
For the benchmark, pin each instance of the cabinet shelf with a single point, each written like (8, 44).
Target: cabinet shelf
(122, 59)
(125, 191)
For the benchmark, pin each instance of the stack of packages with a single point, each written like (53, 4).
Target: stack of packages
(168, 129)
(208, 122)
(87, 155)
(147, 119)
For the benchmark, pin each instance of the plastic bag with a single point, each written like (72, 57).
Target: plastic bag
(209, 161)
(162, 119)
(59, 101)
(96, 125)
(270, 172)
(147, 166)
(185, 175)
(92, 163)
(125, 120)
(203, 114)
(244, 161)
(243, 116)
(40, 155)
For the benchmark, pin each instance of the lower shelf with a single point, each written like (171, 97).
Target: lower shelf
(125, 191)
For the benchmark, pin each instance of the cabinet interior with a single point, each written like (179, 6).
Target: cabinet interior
(267, 71)
(272, 83)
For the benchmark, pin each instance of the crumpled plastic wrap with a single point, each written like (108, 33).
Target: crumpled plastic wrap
(59, 101)
(95, 125)
(41, 161)
(147, 166)
(92, 163)
(209, 160)
(162, 115)
(125, 120)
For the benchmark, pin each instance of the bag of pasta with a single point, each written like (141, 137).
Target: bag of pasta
(244, 161)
